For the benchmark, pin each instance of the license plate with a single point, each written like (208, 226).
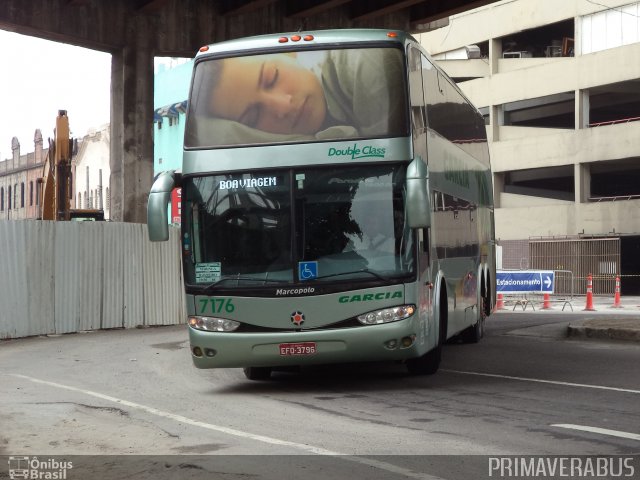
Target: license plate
(302, 348)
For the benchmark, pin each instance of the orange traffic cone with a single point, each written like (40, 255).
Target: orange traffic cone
(616, 298)
(546, 305)
(500, 302)
(589, 305)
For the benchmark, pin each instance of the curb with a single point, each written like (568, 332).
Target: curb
(607, 333)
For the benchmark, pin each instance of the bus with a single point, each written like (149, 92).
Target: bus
(337, 204)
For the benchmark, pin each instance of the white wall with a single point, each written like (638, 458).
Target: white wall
(93, 157)
(567, 219)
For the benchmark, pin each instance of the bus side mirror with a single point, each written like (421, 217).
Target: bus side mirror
(418, 199)
(158, 205)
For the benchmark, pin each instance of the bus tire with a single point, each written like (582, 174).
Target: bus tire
(474, 333)
(257, 373)
(429, 363)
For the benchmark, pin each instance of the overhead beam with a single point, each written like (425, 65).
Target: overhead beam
(151, 6)
(306, 8)
(436, 9)
(235, 7)
(379, 8)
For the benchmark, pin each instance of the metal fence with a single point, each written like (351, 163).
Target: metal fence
(62, 277)
(599, 257)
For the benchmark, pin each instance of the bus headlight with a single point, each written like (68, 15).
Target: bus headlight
(213, 324)
(387, 315)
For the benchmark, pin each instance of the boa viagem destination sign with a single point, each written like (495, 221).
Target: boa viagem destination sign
(524, 281)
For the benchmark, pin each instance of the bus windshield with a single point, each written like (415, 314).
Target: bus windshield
(304, 96)
(312, 225)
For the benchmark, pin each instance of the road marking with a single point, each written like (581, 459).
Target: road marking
(603, 431)
(537, 380)
(238, 433)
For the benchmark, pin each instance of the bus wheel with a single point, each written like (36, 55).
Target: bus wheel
(257, 373)
(474, 333)
(427, 364)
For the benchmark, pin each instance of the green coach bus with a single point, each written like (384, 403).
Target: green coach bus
(337, 204)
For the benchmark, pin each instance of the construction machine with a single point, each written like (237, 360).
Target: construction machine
(56, 189)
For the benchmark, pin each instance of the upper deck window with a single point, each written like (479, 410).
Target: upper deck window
(301, 96)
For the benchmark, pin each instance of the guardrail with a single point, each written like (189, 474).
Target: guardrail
(613, 199)
(539, 300)
(614, 122)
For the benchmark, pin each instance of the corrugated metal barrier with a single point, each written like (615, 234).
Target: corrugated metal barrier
(62, 277)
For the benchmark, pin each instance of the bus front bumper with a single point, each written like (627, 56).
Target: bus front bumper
(391, 341)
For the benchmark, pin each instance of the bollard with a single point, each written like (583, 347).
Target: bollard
(616, 299)
(589, 306)
(500, 302)
(546, 304)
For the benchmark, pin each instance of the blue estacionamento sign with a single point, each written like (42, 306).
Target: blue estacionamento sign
(529, 281)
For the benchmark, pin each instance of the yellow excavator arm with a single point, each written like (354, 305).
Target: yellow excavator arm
(56, 178)
(57, 173)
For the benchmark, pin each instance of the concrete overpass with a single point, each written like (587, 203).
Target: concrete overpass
(134, 31)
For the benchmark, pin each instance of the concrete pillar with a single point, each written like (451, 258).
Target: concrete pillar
(577, 40)
(582, 109)
(497, 120)
(495, 54)
(100, 205)
(582, 179)
(116, 148)
(131, 123)
(498, 188)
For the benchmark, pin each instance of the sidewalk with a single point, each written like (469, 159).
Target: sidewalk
(606, 322)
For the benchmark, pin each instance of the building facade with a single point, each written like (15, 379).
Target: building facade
(559, 86)
(91, 172)
(171, 88)
(21, 177)
(19, 185)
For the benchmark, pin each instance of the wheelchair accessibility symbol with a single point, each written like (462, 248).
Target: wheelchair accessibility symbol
(307, 270)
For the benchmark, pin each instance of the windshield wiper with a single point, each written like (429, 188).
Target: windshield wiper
(364, 270)
(208, 288)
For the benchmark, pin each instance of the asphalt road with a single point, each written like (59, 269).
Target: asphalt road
(524, 390)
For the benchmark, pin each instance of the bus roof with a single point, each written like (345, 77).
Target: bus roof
(291, 40)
